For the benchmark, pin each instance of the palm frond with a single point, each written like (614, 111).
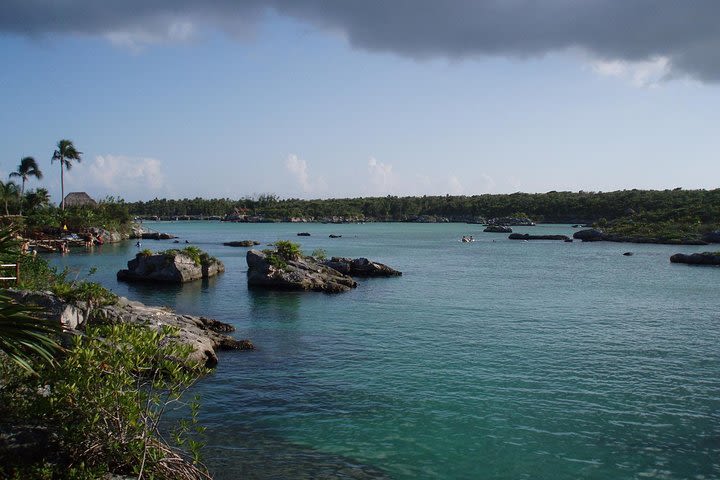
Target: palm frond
(25, 337)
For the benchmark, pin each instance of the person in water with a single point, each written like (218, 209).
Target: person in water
(138, 244)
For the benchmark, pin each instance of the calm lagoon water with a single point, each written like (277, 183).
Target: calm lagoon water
(492, 360)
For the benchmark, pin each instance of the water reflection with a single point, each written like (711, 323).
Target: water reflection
(281, 306)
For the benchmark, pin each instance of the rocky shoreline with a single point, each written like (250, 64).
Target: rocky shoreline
(205, 335)
(597, 235)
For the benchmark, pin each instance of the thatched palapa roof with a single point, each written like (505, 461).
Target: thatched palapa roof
(79, 199)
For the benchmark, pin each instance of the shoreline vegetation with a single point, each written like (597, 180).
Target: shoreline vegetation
(637, 216)
(87, 378)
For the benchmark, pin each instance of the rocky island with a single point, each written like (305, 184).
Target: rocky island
(286, 268)
(704, 258)
(171, 266)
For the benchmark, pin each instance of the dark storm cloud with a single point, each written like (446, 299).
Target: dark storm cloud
(687, 32)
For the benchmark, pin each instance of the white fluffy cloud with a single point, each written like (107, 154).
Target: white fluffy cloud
(119, 175)
(298, 168)
(381, 175)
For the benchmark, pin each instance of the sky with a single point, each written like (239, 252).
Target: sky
(316, 99)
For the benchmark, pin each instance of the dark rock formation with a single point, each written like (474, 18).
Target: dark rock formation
(712, 237)
(498, 229)
(361, 267)
(591, 235)
(241, 243)
(514, 221)
(332, 235)
(303, 234)
(174, 267)
(303, 273)
(628, 254)
(595, 235)
(205, 335)
(525, 236)
(704, 258)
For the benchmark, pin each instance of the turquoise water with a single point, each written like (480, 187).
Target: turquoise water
(490, 360)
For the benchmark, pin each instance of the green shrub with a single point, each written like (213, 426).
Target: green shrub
(106, 399)
(288, 250)
(320, 254)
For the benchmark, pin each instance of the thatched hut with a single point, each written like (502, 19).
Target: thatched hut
(79, 199)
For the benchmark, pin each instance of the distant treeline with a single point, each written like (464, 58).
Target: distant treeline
(696, 206)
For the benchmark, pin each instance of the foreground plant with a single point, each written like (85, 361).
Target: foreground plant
(108, 400)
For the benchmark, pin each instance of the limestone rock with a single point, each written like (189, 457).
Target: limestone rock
(498, 229)
(205, 335)
(303, 273)
(704, 258)
(361, 267)
(241, 243)
(169, 268)
(590, 235)
(525, 236)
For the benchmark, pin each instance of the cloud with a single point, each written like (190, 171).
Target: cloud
(299, 169)
(641, 74)
(381, 176)
(121, 176)
(610, 30)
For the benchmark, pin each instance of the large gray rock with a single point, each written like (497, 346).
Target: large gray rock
(241, 243)
(69, 316)
(169, 268)
(304, 273)
(704, 258)
(525, 236)
(361, 267)
(590, 235)
(205, 335)
(498, 229)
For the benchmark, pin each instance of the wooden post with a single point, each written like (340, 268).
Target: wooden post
(17, 274)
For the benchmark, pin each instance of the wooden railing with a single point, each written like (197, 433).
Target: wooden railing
(16, 266)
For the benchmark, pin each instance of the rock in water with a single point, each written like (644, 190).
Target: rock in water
(498, 229)
(303, 273)
(361, 267)
(704, 258)
(242, 243)
(590, 235)
(169, 267)
(526, 236)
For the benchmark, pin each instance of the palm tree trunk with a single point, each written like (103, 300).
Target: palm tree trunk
(6, 209)
(62, 183)
(22, 195)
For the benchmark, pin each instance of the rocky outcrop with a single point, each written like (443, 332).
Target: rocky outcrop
(514, 221)
(361, 267)
(595, 235)
(303, 273)
(704, 258)
(591, 235)
(169, 267)
(525, 236)
(205, 335)
(712, 237)
(303, 234)
(498, 229)
(241, 243)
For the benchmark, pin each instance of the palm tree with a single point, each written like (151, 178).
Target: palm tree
(28, 168)
(38, 198)
(8, 192)
(65, 153)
